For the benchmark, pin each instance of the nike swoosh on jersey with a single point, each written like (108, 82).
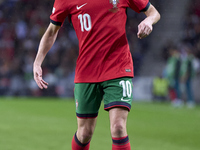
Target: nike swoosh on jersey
(80, 6)
(125, 100)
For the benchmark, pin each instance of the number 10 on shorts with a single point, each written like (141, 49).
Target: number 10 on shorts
(127, 89)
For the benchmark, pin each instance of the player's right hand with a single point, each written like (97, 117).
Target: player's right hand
(37, 72)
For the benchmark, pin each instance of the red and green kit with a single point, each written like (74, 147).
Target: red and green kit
(104, 52)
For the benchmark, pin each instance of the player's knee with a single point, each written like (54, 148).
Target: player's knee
(84, 135)
(87, 133)
(118, 129)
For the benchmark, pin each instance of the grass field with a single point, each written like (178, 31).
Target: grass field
(47, 124)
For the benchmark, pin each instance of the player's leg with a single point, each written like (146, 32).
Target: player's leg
(190, 97)
(88, 99)
(118, 119)
(81, 139)
(117, 100)
(85, 129)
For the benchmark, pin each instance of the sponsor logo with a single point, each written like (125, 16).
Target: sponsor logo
(79, 7)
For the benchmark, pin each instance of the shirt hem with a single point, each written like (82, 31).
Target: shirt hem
(101, 80)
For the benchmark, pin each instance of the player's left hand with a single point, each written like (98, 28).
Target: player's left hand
(144, 29)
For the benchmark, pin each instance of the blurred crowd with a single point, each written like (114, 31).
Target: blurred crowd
(182, 62)
(190, 32)
(22, 24)
(176, 82)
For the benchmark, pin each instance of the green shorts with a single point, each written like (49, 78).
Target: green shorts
(115, 93)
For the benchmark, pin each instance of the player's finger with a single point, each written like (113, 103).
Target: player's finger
(141, 35)
(38, 79)
(39, 84)
(44, 84)
(140, 29)
(144, 32)
(148, 30)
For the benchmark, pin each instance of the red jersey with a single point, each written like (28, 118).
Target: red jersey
(104, 52)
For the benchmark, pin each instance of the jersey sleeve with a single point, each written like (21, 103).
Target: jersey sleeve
(139, 5)
(59, 12)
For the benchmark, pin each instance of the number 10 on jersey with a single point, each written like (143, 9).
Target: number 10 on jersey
(85, 21)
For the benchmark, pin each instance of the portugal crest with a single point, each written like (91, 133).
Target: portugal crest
(114, 3)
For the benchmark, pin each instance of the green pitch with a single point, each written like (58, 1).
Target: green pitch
(49, 124)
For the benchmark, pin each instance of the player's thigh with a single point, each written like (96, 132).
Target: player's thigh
(88, 97)
(118, 93)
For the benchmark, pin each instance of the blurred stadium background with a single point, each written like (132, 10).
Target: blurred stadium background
(22, 23)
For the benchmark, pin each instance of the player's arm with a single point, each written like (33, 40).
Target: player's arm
(46, 43)
(146, 26)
